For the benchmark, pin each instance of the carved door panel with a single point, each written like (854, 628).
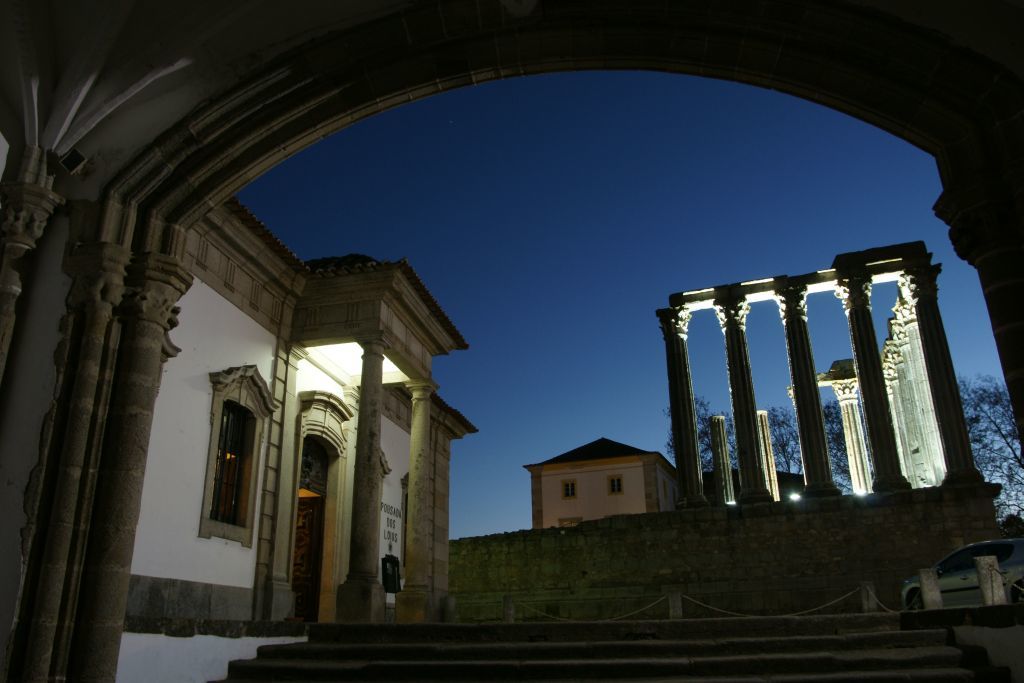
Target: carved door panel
(309, 533)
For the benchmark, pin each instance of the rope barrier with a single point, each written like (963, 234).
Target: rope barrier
(879, 602)
(791, 614)
(621, 616)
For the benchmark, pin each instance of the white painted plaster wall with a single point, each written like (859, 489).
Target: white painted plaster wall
(30, 377)
(666, 482)
(155, 658)
(213, 335)
(592, 498)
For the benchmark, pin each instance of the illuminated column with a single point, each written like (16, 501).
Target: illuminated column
(674, 325)
(853, 432)
(414, 603)
(914, 451)
(722, 473)
(792, 302)
(361, 597)
(732, 315)
(764, 438)
(913, 357)
(855, 293)
(918, 286)
(891, 360)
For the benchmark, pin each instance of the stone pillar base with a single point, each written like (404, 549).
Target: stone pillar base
(686, 503)
(414, 605)
(361, 601)
(755, 496)
(894, 483)
(280, 600)
(821, 490)
(965, 477)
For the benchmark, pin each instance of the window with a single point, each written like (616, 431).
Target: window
(241, 405)
(234, 460)
(568, 488)
(614, 484)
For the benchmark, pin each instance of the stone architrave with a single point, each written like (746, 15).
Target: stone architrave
(722, 466)
(732, 313)
(853, 433)
(923, 407)
(415, 602)
(919, 287)
(361, 597)
(764, 438)
(674, 326)
(792, 300)
(855, 292)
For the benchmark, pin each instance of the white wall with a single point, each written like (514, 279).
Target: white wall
(592, 498)
(213, 335)
(394, 441)
(666, 482)
(30, 378)
(155, 658)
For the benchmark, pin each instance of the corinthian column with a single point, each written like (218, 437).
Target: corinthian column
(361, 597)
(891, 360)
(853, 434)
(732, 315)
(148, 310)
(855, 293)
(674, 326)
(415, 602)
(722, 472)
(792, 302)
(919, 287)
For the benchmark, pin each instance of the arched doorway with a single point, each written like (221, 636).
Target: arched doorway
(307, 562)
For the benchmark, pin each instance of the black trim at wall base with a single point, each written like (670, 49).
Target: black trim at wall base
(158, 598)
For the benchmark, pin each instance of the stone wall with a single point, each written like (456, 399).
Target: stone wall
(771, 558)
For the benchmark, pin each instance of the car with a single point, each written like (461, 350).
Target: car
(958, 579)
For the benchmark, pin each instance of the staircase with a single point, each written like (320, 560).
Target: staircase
(855, 647)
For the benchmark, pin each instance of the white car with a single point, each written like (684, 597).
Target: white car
(958, 579)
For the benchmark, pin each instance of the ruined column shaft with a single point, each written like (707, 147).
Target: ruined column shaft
(806, 401)
(722, 472)
(855, 293)
(764, 437)
(414, 603)
(682, 412)
(853, 434)
(732, 315)
(923, 407)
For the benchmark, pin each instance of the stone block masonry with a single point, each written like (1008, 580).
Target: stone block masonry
(767, 558)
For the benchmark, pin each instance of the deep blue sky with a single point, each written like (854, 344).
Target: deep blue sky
(551, 215)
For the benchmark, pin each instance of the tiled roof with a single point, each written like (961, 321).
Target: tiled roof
(455, 414)
(597, 450)
(358, 263)
(263, 232)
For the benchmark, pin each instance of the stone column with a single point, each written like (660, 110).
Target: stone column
(27, 208)
(891, 359)
(914, 451)
(361, 597)
(855, 293)
(732, 315)
(722, 471)
(853, 432)
(913, 358)
(919, 287)
(149, 310)
(415, 602)
(792, 302)
(764, 439)
(674, 326)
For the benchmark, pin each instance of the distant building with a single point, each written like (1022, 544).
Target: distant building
(599, 479)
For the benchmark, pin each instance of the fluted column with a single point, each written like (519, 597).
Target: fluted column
(722, 469)
(415, 602)
(792, 302)
(361, 597)
(855, 293)
(149, 310)
(919, 287)
(891, 359)
(764, 438)
(853, 433)
(924, 407)
(682, 412)
(732, 315)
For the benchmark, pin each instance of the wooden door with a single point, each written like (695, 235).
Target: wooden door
(309, 538)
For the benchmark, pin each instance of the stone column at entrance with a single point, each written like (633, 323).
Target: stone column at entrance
(855, 292)
(732, 315)
(361, 597)
(415, 602)
(853, 433)
(722, 469)
(792, 302)
(674, 326)
(919, 287)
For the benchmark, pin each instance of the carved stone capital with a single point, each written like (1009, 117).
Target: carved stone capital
(155, 283)
(979, 219)
(904, 313)
(27, 208)
(792, 300)
(98, 271)
(891, 358)
(846, 390)
(919, 283)
(855, 292)
(421, 389)
(675, 321)
(732, 312)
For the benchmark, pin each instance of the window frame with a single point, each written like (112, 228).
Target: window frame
(244, 386)
(572, 483)
(612, 478)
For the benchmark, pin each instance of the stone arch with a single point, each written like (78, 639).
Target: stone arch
(323, 416)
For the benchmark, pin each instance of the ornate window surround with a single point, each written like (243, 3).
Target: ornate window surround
(245, 386)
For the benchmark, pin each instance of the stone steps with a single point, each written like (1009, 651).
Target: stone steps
(840, 648)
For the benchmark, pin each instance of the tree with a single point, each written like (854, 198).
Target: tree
(836, 440)
(995, 441)
(785, 439)
(703, 411)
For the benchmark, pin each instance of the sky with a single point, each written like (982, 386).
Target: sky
(552, 215)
